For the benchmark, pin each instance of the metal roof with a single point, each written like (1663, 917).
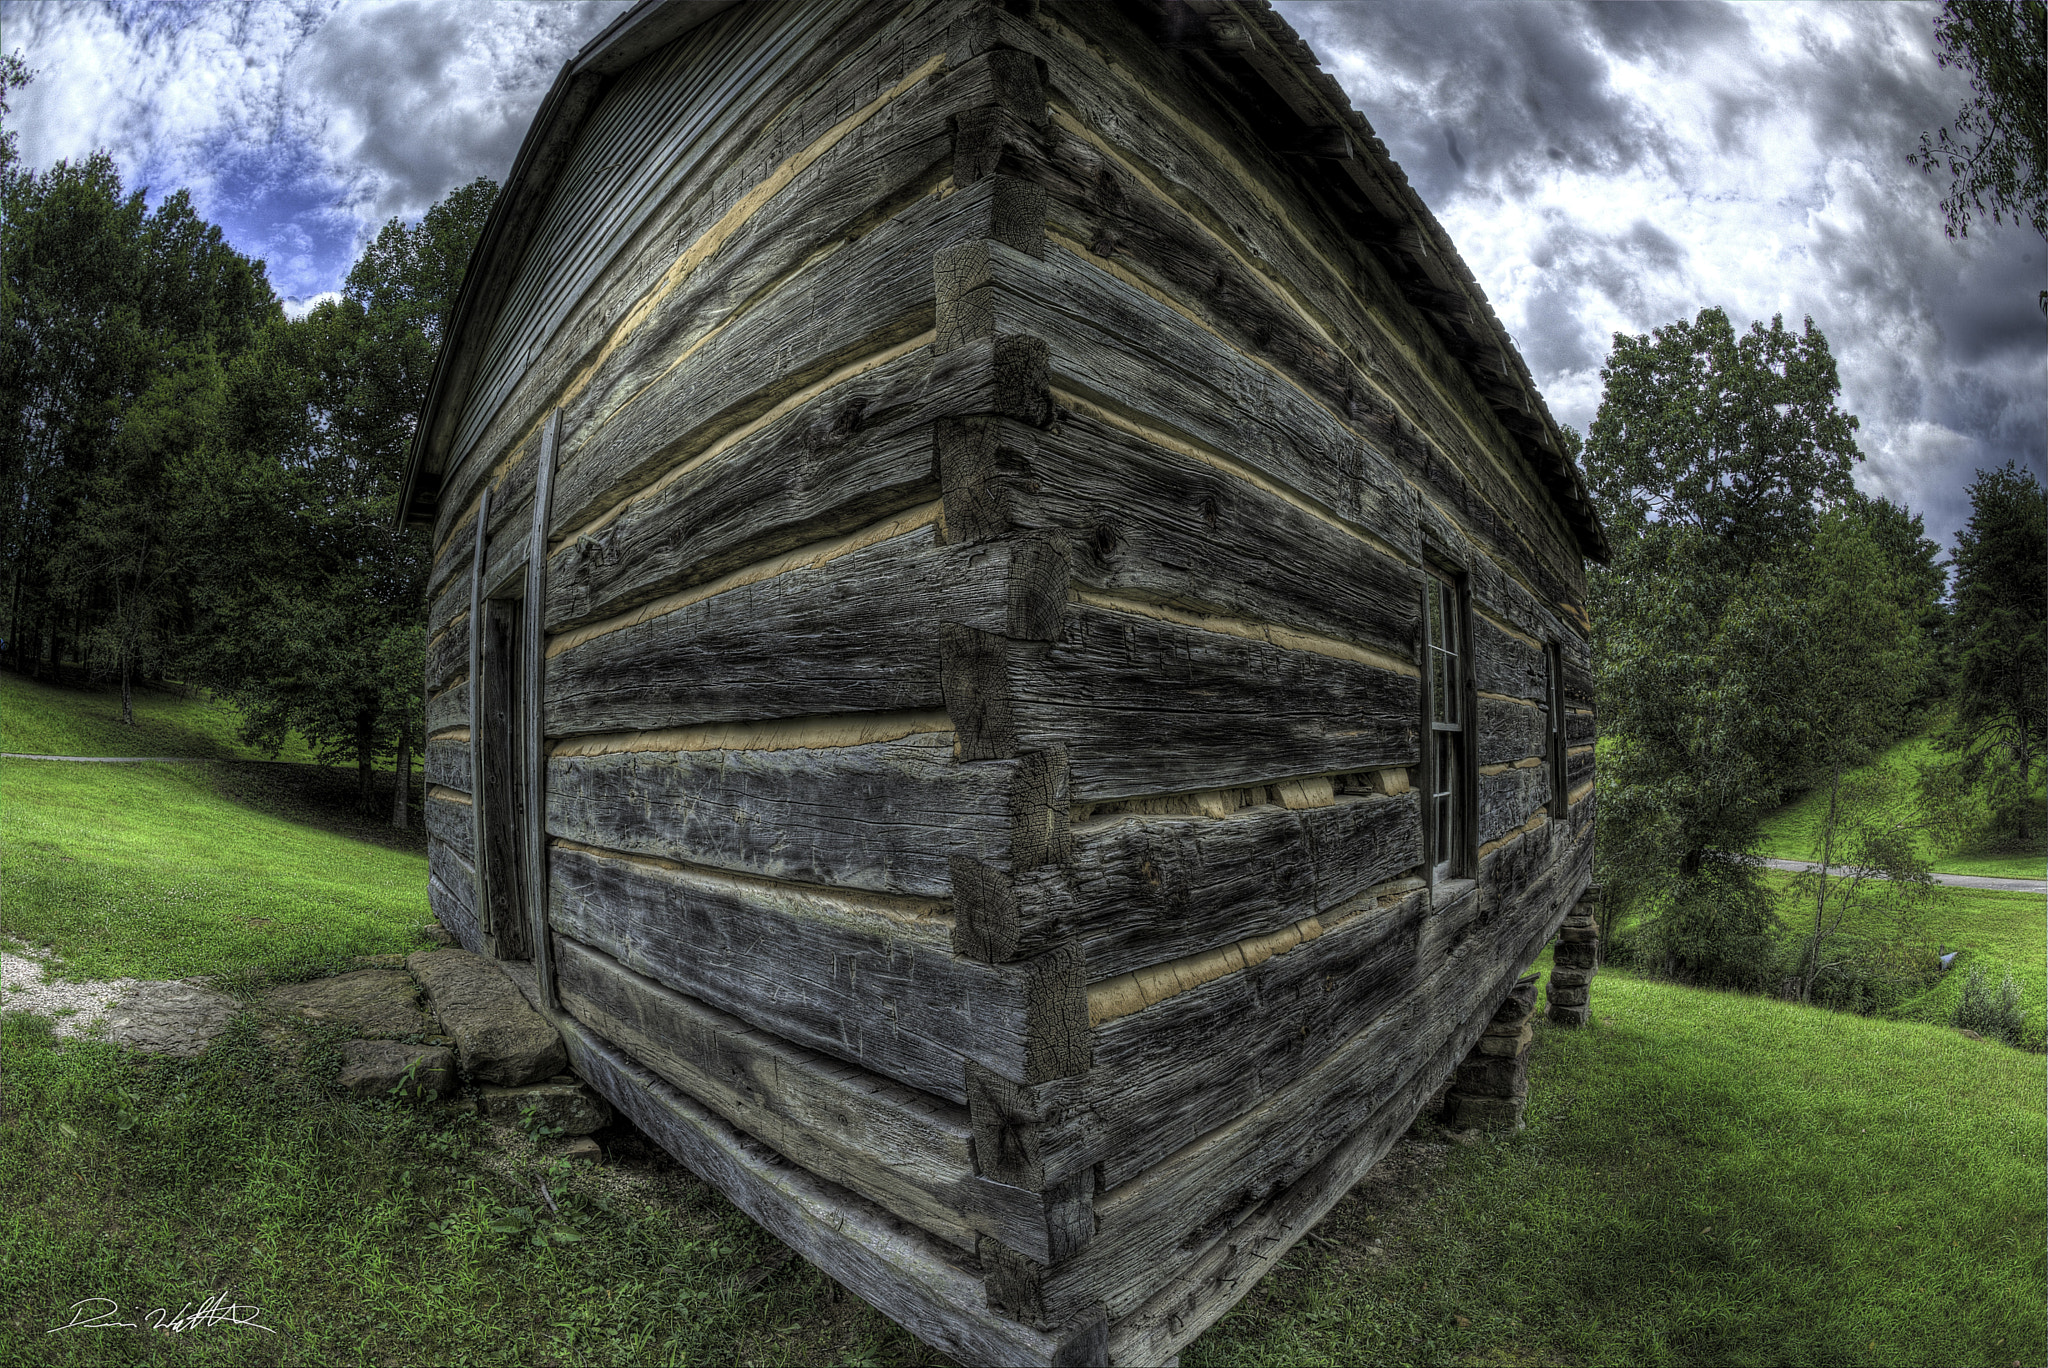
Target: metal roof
(1245, 52)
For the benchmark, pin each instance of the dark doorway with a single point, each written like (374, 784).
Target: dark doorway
(501, 787)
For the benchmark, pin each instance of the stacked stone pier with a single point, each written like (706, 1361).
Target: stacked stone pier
(1576, 959)
(1491, 1086)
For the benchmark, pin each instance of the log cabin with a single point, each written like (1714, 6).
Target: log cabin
(1007, 640)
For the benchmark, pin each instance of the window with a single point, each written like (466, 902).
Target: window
(1449, 788)
(1555, 742)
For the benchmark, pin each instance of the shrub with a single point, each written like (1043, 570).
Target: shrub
(1995, 1018)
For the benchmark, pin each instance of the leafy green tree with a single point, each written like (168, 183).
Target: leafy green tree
(1997, 157)
(1859, 662)
(1714, 458)
(2001, 644)
(315, 599)
(107, 305)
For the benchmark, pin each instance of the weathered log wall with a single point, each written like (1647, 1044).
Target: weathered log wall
(982, 691)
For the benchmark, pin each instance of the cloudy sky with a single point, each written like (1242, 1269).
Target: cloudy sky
(1602, 167)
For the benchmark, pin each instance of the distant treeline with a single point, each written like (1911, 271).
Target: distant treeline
(197, 487)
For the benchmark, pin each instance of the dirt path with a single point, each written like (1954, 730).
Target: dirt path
(1985, 881)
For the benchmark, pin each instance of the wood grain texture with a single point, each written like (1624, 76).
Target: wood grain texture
(856, 633)
(454, 913)
(1508, 731)
(714, 244)
(930, 1290)
(1153, 1229)
(451, 823)
(1506, 664)
(1156, 524)
(448, 654)
(447, 762)
(1159, 1080)
(886, 818)
(1123, 350)
(873, 292)
(1148, 706)
(1140, 891)
(1507, 800)
(871, 982)
(449, 708)
(1305, 249)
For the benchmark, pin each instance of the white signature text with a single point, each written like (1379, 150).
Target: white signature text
(103, 1313)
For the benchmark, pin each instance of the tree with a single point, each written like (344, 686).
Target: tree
(2004, 171)
(2001, 647)
(1713, 459)
(1860, 661)
(106, 306)
(315, 605)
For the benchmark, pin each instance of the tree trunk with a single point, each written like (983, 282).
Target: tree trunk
(127, 688)
(366, 743)
(401, 782)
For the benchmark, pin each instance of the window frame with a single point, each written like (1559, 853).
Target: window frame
(1449, 774)
(1553, 660)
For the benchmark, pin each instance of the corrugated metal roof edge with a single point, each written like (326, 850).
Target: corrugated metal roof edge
(543, 154)
(1297, 81)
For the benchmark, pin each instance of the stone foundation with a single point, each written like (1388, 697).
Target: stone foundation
(1491, 1087)
(1576, 959)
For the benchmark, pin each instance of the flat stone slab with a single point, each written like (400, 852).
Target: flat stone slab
(373, 1068)
(498, 1036)
(379, 1003)
(568, 1107)
(169, 1018)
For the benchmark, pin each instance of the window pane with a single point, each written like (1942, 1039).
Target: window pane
(1450, 673)
(1436, 621)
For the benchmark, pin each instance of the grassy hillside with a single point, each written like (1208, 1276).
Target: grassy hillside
(1706, 1178)
(160, 871)
(1792, 832)
(43, 719)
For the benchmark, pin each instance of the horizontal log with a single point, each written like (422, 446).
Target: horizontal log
(1578, 767)
(1510, 731)
(1155, 523)
(1152, 1229)
(906, 1151)
(1580, 728)
(446, 606)
(1143, 705)
(1509, 799)
(449, 708)
(453, 913)
(1182, 1067)
(875, 292)
(451, 821)
(447, 762)
(777, 176)
(853, 633)
(448, 654)
(1506, 664)
(887, 818)
(916, 1280)
(1140, 891)
(451, 891)
(871, 981)
(857, 450)
(1129, 354)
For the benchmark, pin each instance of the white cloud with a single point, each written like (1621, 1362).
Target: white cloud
(299, 127)
(1619, 167)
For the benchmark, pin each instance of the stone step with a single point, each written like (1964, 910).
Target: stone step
(498, 1035)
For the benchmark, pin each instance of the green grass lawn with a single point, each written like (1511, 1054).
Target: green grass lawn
(44, 719)
(162, 871)
(1792, 832)
(1706, 1178)
(1997, 933)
